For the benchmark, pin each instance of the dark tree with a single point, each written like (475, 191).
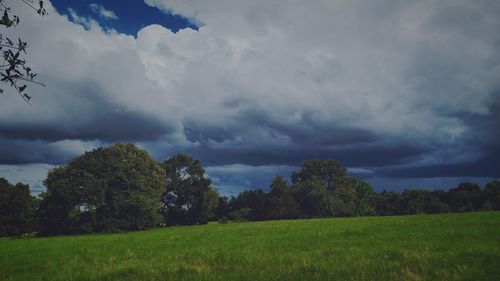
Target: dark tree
(189, 197)
(243, 214)
(323, 189)
(413, 201)
(16, 209)
(437, 203)
(314, 199)
(223, 208)
(353, 197)
(466, 197)
(13, 68)
(255, 200)
(282, 201)
(491, 194)
(323, 170)
(418, 201)
(117, 188)
(387, 203)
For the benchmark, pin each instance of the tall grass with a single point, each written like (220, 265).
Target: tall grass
(423, 247)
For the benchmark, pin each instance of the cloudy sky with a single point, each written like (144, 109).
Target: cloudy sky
(403, 93)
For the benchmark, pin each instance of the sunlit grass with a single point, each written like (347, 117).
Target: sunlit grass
(425, 247)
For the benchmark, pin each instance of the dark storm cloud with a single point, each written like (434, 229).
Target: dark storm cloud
(306, 131)
(254, 138)
(326, 135)
(314, 132)
(389, 156)
(488, 166)
(299, 134)
(23, 152)
(485, 129)
(483, 138)
(107, 126)
(370, 155)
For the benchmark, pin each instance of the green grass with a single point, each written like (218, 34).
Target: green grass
(424, 247)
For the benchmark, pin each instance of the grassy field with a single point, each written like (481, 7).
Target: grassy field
(425, 247)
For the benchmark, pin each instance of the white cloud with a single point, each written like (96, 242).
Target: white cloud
(75, 147)
(369, 66)
(102, 12)
(88, 23)
(388, 66)
(360, 171)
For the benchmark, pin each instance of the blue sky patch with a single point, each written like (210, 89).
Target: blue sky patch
(123, 16)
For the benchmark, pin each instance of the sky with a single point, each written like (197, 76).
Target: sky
(405, 94)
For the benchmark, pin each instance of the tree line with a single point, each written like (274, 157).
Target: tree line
(322, 189)
(122, 188)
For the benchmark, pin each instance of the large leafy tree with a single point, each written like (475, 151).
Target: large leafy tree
(117, 188)
(189, 197)
(14, 71)
(16, 209)
(323, 189)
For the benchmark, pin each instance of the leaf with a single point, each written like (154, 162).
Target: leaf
(6, 19)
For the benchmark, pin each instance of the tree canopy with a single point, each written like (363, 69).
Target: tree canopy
(324, 189)
(323, 170)
(121, 188)
(17, 208)
(108, 189)
(189, 197)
